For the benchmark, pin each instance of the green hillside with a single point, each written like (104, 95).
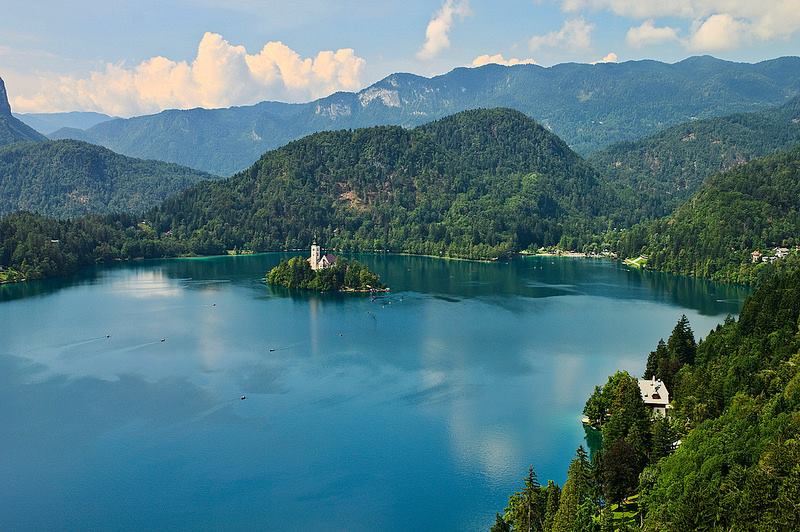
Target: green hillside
(656, 174)
(68, 178)
(476, 184)
(754, 206)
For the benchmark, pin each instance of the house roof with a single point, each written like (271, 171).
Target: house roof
(330, 258)
(654, 392)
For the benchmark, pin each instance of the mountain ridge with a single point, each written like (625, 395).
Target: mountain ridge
(587, 105)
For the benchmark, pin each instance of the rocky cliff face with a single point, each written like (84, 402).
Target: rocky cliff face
(11, 129)
(5, 108)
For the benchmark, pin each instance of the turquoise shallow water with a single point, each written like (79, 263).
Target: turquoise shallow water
(418, 410)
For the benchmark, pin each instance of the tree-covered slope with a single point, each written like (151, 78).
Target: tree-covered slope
(476, 184)
(656, 174)
(11, 129)
(589, 106)
(739, 466)
(754, 206)
(727, 456)
(68, 178)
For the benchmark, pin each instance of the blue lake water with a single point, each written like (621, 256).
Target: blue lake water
(420, 410)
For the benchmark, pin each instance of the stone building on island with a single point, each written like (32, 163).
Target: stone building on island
(319, 261)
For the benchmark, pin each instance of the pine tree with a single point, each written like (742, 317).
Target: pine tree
(681, 342)
(654, 359)
(500, 525)
(551, 505)
(575, 501)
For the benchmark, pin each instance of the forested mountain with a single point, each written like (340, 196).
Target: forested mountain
(11, 129)
(754, 206)
(49, 122)
(68, 178)
(477, 184)
(657, 174)
(735, 418)
(589, 106)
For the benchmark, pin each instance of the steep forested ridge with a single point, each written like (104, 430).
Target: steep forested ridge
(68, 178)
(589, 106)
(11, 129)
(754, 206)
(477, 184)
(657, 174)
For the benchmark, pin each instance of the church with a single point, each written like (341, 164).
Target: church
(319, 261)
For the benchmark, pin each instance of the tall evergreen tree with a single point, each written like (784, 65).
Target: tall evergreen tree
(575, 500)
(681, 342)
(553, 494)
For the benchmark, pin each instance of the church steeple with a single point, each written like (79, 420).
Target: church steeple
(316, 253)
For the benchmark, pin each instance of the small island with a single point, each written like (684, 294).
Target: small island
(326, 273)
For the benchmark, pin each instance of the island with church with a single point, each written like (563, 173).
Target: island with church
(326, 273)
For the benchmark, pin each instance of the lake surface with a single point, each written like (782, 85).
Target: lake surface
(420, 410)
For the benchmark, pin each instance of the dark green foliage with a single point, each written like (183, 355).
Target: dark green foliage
(754, 206)
(478, 184)
(657, 174)
(551, 505)
(343, 275)
(578, 500)
(739, 467)
(39, 247)
(526, 508)
(590, 106)
(667, 359)
(500, 524)
(12, 129)
(68, 178)
(620, 472)
(681, 342)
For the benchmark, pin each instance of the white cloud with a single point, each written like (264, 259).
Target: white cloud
(220, 75)
(575, 34)
(610, 57)
(764, 20)
(498, 59)
(648, 33)
(437, 34)
(718, 32)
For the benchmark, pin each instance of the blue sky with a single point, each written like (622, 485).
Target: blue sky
(130, 58)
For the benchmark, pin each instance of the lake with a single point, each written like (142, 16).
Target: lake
(120, 389)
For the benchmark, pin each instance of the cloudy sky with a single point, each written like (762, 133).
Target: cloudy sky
(127, 58)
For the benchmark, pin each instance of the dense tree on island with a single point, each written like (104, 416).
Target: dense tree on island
(344, 275)
(68, 178)
(589, 106)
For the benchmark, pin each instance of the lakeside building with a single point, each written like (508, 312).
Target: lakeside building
(319, 261)
(655, 395)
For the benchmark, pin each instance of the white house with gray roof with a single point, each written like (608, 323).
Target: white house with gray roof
(655, 395)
